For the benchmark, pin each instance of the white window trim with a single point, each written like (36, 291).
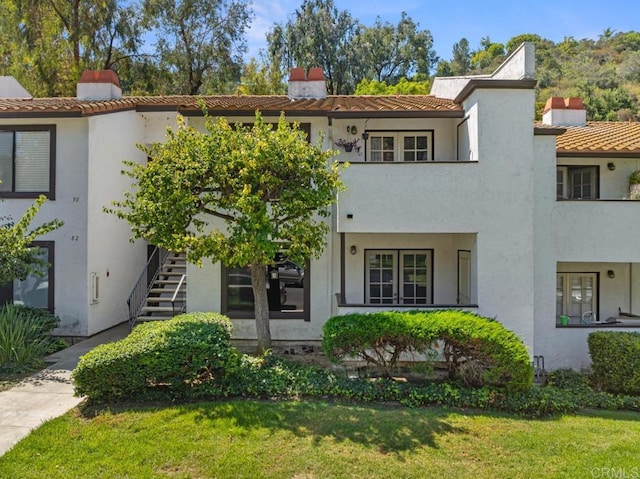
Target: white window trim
(398, 139)
(566, 297)
(397, 282)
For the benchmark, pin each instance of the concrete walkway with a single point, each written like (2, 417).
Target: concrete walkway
(48, 393)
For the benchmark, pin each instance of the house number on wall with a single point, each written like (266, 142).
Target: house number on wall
(76, 199)
(74, 238)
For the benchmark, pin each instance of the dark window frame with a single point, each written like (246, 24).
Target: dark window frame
(6, 290)
(51, 193)
(235, 314)
(397, 251)
(569, 187)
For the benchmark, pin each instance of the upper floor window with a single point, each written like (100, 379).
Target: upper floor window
(577, 183)
(408, 146)
(27, 161)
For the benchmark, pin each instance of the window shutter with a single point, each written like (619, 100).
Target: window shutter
(32, 161)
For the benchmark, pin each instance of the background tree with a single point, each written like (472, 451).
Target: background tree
(403, 87)
(18, 258)
(488, 56)
(261, 78)
(389, 52)
(201, 42)
(318, 35)
(57, 39)
(460, 63)
(236, 195)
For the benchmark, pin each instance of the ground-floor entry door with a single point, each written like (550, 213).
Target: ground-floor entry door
(464, 277)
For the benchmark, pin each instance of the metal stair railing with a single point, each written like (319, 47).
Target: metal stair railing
(175, 295)
(145, 282)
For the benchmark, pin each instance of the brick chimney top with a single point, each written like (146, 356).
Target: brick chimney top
(560, 111)
(98, 85)
(307, 86)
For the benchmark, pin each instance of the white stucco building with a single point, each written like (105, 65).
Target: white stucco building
(453, 200)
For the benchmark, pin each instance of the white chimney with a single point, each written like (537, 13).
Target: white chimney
(98, 85)
(11, 88)
(564, 112)
(312, 86)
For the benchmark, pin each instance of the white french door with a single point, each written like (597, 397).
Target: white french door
(399, 277)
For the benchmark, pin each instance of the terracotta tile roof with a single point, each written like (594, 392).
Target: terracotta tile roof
(395, 105)
(24, 108)
(600, 137)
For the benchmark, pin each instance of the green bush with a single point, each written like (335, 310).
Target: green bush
(476, 350)
(615, 358)
(185, 357)
(25, 338)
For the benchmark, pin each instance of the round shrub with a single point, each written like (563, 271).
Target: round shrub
(182, 357)
(475, 349)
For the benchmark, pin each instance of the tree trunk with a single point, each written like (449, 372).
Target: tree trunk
(261, 306)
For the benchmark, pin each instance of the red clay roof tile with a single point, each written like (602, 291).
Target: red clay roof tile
(232, 104)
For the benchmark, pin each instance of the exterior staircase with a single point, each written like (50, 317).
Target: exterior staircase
(162, 289)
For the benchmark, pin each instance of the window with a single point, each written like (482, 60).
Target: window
(576, 295)
(36, 291)
(287, 290)
(400, 146)
(577, 183)
(399, 277)
(27, 159)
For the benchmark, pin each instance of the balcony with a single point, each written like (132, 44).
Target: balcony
(596, 230)
(409, 197)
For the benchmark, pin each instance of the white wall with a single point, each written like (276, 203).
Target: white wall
(116, 261)
(70, 206)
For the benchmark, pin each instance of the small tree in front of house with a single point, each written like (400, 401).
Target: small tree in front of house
(18, 257)
(236, 194)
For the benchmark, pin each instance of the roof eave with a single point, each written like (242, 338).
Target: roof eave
(597, 154)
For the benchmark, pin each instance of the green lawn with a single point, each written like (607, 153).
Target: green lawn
(256, 439)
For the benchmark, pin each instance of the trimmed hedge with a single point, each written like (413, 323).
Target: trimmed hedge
(160, 359)
(477, 350)
(615, 358)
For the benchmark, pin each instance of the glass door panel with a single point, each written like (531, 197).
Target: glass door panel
(415, 287)
(381, 281)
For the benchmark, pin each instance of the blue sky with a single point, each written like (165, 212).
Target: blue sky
(449, 20)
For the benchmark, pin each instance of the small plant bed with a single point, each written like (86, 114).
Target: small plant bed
(25, 340)
(190, 358)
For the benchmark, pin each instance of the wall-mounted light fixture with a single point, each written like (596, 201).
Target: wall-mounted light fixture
(611, 274)
(611, 165)
(353, 249)
(365, 136)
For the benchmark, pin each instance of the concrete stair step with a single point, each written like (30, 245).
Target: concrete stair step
(165, 299)
(168, 291)
(153, 318)
(157, 309)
